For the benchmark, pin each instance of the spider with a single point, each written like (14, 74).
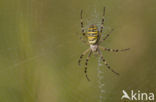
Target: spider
(94, 40)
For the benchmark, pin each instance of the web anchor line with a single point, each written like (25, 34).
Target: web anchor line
(100, 81)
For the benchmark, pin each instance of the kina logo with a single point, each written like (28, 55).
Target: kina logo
(137, 96)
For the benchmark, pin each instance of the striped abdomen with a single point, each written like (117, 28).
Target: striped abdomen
(92, 34)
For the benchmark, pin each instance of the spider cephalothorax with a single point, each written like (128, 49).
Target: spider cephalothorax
(93, 35)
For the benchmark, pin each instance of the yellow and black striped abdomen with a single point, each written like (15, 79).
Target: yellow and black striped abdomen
(92, 34)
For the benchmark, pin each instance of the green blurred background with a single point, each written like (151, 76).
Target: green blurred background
(40, 47)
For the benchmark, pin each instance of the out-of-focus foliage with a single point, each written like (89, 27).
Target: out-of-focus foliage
(40, 47)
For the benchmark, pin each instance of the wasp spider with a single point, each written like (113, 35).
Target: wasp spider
(94, 40)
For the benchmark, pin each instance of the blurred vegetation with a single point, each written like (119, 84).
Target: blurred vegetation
(40, 47)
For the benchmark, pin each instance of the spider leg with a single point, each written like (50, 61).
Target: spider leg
(85, 52)
(84, 40)
(113, 50)
(107, 36)
(82, 26)
(86, 63)
(107, 63)
(102, 22)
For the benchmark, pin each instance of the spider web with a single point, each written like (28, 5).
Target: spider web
(20, 59)
(39, 51)
(100, 81)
